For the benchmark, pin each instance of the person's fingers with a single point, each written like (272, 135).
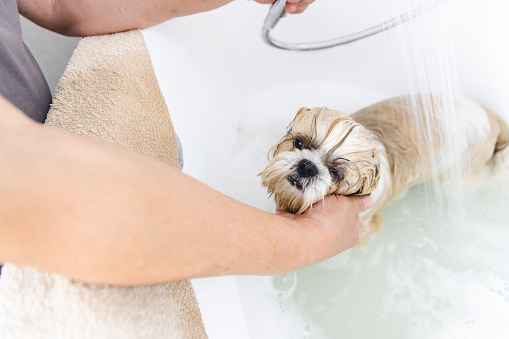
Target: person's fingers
(297, 6)
(295, 9)
(362, 202)
(292, 6)
(283, 213)
(357, 203)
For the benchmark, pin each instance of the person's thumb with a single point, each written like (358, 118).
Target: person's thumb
(361, 203)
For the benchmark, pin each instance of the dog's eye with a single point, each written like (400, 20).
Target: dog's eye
(298, 143)
(336, 174)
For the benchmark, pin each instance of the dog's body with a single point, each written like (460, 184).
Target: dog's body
(381, 150)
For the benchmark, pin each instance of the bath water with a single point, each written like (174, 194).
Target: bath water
(437, 269)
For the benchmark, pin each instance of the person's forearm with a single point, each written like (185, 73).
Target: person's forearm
(93, 17)
(92, 210)
(95, 211)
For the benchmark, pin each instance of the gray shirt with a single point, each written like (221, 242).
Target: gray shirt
(21, 79)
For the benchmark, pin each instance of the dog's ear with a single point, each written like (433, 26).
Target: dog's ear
(361, 176)
(369, 179)
(369, 174)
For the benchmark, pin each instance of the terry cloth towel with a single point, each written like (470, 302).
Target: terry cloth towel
(108, 91)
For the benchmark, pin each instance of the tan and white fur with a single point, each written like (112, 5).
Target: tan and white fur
(379, 150)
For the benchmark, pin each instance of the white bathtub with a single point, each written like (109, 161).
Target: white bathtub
(221, 82)
(218, 77)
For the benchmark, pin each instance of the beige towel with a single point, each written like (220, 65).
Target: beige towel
(108, 91)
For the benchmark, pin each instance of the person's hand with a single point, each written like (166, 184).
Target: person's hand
(292, 6)
(332, 223)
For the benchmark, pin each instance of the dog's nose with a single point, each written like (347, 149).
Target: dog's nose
(306, 169)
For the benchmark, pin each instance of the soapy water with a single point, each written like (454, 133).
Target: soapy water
(424, 275)
(429, 273)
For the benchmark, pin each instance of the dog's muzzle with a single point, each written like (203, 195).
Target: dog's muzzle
(304, 171)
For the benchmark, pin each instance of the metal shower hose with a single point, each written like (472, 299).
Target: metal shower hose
(277, 11)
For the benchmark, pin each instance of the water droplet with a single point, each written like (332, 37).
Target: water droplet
(285, 283)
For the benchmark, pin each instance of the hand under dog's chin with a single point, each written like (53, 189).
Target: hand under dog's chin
(324, 152)
(294, 198)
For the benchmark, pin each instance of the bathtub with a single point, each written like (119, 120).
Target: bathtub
(224, 86)
(227, 91)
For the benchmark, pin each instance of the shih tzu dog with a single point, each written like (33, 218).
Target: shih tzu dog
(379, 150)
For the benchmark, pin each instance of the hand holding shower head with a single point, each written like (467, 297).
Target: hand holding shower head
(277, 11)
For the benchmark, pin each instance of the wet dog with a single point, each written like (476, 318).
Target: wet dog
(381, 150)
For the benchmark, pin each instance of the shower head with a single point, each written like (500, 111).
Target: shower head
(276, 12)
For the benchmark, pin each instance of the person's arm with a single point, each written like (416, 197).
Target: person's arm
(93, 17)
(92, 210)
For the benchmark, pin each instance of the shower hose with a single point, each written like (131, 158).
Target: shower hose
(277, 11)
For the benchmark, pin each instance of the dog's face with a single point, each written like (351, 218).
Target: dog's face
(324, 152)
